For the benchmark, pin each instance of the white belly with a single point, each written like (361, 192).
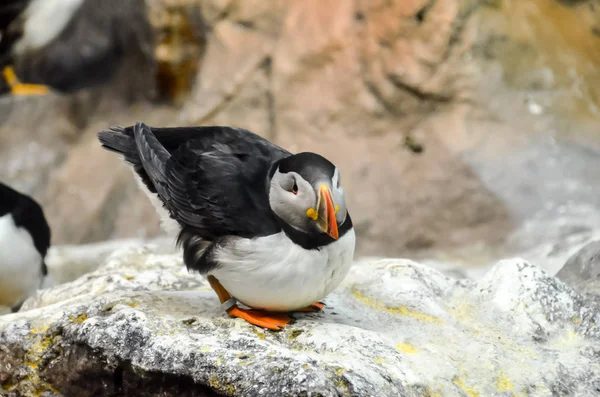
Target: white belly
(20, 263)
(273, 273)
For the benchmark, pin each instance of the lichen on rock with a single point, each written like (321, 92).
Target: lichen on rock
(394, 328)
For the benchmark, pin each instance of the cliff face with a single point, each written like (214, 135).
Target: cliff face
(418, 102)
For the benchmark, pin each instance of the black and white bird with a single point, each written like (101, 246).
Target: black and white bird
(68, 44)
(267, 228)
(24, 242)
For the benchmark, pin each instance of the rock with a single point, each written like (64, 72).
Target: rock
(352, 89)
(582, 270)
(141, 324)
(355, 81)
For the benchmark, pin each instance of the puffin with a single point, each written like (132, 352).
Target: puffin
(68, 45)
(268, 229)
(24, 242)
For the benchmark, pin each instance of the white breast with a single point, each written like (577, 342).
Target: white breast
(273, 273)
(20, 263)
(44, 21)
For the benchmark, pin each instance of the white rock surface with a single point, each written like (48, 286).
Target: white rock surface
(394, 328)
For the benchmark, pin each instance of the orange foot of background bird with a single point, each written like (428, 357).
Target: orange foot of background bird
(315, 307)
(18, 88)
(270, 320)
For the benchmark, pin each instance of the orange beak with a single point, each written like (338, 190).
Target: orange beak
(326, 212)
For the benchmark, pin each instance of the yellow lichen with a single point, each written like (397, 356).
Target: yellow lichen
(132, 304)
(293, 334)
(340, 371)
(576, 320)
(128, 277)
(213, 381)
(31, 364)
(219, 360)
(407, 348)
(467, 389)
(400, 310)
(503, 383)
(227, 388)
(79, 319)
(379, 360)
(431, 393)
(261, 335)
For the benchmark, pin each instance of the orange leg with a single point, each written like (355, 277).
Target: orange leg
(315, 307)
(18, 88)
(264, 319)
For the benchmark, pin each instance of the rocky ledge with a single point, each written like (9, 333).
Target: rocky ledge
(142, 325)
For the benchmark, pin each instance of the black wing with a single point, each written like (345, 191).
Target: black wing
(212, 180)
(11, 26)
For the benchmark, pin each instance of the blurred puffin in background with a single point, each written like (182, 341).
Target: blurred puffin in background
(68, 45)
(267, 228)
(24, 242)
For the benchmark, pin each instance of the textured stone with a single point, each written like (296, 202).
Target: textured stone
(582, 270)
(394, 328)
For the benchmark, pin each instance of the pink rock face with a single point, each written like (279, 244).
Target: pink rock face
(351, 80)
(345, 79)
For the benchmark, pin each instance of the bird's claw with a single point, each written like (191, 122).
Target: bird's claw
(314, 307)
(271, 320)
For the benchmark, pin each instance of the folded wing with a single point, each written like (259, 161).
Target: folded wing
(212, 180)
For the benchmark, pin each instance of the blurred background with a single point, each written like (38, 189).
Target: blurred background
(466, 131)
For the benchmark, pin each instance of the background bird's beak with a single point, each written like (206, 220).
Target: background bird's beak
(326, 212)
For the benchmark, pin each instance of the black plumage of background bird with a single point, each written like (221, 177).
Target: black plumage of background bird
(69, 45)
(24, 242)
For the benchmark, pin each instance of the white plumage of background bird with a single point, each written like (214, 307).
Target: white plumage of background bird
(24, 242)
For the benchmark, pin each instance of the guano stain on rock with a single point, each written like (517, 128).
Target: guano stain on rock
(400, 310)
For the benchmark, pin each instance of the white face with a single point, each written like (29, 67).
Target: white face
(297, 202)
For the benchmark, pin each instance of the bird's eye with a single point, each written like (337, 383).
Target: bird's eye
(295, 188)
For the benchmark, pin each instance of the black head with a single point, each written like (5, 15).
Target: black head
(26, 213)
(306, 193)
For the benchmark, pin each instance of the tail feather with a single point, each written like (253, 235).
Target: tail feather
(121, 140)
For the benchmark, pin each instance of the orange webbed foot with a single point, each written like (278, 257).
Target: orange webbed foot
(313, 308)
(271, 320)
(29, 89)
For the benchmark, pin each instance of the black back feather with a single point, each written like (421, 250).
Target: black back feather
(212, 180)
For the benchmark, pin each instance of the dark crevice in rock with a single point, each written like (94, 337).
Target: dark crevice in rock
(572, 3)
(422, 13)
(458, 27)
(84, 372)
(416, 92)
(268, 67)
(230, 96)
(359, 17)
